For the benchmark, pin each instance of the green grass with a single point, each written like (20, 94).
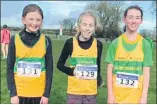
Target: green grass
(59, 86)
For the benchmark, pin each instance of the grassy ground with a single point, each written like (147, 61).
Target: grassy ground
(58, 91)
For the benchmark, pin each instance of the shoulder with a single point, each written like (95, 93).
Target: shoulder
(69, 41)
(47, 38)
(114, 43)
(48, 41)
(8, 30)
(15, 36)
(145, 43)
(99, 43)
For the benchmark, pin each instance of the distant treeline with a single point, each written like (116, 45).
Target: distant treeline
(46, 31)
(144, 32)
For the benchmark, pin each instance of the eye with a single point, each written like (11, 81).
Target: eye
(84, 24)
(38, 20)
(30, 18)
(137, 17)
(91, 25)
(130, 17)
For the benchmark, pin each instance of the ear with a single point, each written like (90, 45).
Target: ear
(124, 20)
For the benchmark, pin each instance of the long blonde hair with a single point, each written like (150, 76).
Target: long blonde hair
(98, 26)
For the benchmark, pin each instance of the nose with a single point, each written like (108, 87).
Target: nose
(34, 22)
(87, 28)
(134, 20)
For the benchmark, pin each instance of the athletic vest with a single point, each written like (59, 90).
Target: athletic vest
(29, 69)
(82, 56)
(128, 88)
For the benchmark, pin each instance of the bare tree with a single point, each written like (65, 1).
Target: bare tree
(68, 24)
(110, 13)
(153, 6)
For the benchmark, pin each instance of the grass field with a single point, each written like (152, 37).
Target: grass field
(58, 90)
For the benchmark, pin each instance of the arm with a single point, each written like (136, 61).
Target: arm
(49, 71)
(111, 98)
(2, 36)
(99, 46)
(66, 51)
(110, 60)
(10, 68)
(109, 79)
(146, 70)
(146, 74)
(49, 67)
(9, 34)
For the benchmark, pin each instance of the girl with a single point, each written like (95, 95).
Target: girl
(5, 39)
(85, 55)
(29, 63)
(129, 58)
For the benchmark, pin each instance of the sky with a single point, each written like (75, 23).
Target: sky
(56, 11)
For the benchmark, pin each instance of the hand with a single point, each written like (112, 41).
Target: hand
(14, 100)
(111, 99)
(44, 100)
(143, 100)
(74, 71)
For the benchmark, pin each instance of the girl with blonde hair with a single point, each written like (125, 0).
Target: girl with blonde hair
(84, 52)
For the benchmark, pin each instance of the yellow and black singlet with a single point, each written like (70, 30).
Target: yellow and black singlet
(82, 56)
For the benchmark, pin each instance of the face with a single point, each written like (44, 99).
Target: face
(132, 20)
(87, 26)
(33, 21)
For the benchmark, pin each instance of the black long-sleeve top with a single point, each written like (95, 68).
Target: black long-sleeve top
(29, 39)
(68, 49)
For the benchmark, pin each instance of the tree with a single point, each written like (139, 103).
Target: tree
(153, 6)
(143, 32)
(110, 13)
(68, 24)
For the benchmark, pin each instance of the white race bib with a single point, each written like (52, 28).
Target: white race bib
(127, 80)
(29, 69)
(86, 71)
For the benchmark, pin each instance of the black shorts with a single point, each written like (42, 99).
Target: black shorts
(29, 100)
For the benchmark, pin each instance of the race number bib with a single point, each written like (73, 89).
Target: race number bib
(29, 69)
(127, 80)
(86, 71)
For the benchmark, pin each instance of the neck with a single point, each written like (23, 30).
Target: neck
(30, 31)
(82, 38)
(131, 35)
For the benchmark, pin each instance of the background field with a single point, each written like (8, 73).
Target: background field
(58, 90)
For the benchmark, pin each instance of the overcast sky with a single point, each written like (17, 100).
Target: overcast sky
(55, 11)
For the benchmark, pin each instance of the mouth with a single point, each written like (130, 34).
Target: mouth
(133, 26)
(87, 33)
(34, 27)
